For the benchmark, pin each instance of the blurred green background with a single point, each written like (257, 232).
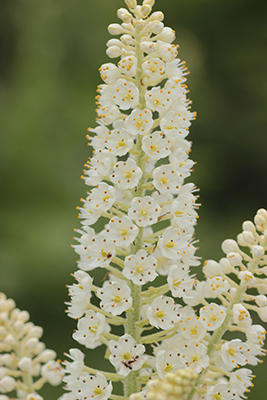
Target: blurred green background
(50, 52)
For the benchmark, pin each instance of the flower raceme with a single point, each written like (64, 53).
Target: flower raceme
(138, 195)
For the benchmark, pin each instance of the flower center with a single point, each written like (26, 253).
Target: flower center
(126, 356)
(143, 212)
(123, 232)
(127, 174)
(160, 314)
(116, 299)
(97, 391)
(93, 329)
(139, 269)
(153, 147)
(176, 283)
(231, 352)
(164, 180)
(121, 143)
(170, 245)
(168, 368)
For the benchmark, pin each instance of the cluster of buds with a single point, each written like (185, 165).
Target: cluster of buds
(25, 364)
(147, 211)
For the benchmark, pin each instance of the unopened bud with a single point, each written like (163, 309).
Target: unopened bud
(158, 15)
(113, 51)
(145, 10)
(229, 245)
(7, 384)
(124, 15)
(130, 3)
(257, 251)
(261, 300)
(149, 3)
(156, 27)
(115, 29)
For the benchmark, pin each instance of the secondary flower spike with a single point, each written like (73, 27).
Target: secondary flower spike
(138, 222)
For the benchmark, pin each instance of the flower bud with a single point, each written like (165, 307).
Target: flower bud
(145, 10)
(130, 3)
(3, 372)
(156, 27)
(149, 3)
(248, 226)
(260, 222)
(115, 29)
(113, 51)
(114, 42)
(25, 364)
(225, 265)
(211, 268)
(158, 15)
(127, 39)
(261, 300)
(46, 355)
(257, 251)
(7, 384)
(124, 15)
(262, 312)
(229, 245)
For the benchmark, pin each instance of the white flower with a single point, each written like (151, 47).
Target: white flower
(100, 167)
(139, 122)
(115, 297)
(246, 278)
(221, 391)
(119, 142)
(7, 384)
(166, 179)
(52, 372)
(126, 174)
(256, 334)
(158, 99)
(89, 330)
(82, 290)
(168, 361)
(108, 113)
(153, 69)
(195, 356)
(179, 280)
(33, 396)
(170, 124)
(212, 316)
(173, 243)
(155, 146)
(140, 268)
(97, 387)
(102, 197)
(241, 316)
(75, 367)
(191, 328)
(232, 352)
(241, 379)
(216, 285)
(98, 253)
(144, 211)
(109, 73)
(121, 231)
(91, 387)
(128, 65)
(126, 355)
(125, 94)
(161, 313)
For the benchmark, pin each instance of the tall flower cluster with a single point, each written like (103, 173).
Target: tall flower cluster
(25, 364)
(138, 194)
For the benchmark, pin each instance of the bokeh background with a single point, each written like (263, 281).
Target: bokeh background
(50, 52)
